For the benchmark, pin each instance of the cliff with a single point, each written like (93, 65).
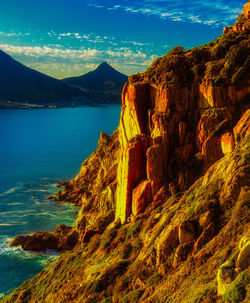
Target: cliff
(164, 201)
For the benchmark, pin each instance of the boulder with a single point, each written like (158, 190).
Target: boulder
(211, 151)
(225, 276)
(186, 232)
(161, 195)
(141, 197)
(182, 253)
(155, 170)
(167, 244)
(39, 241)
(227, 143)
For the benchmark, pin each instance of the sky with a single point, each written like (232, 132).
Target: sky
(64, 38)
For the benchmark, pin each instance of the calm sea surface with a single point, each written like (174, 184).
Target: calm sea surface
(39, 148)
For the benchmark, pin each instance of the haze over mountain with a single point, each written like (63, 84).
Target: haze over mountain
(103, 80)
(22, 84)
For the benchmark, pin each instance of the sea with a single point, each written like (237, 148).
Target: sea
(38, 148)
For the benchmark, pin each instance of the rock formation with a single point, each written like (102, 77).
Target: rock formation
(164, 201)
(243, 22)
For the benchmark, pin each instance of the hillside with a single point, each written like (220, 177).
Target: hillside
(164, 201)
(104, 80)
(22, 84)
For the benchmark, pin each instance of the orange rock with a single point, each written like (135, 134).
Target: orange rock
(164, 98)
(155, 186)
(166, 246)
(212, 96)
(161, 195)
(155, 170)
(186, 232)
(227, 143)
(124, 92)
(211, 151)
(205, 124)
(182, 253)
(141, 197)
(138, 95)
(181, 99)
(242, 129)
(132, 169)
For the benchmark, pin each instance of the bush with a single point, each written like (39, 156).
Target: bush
(236, 291)
(177, 50)
(199, 54)
(213, 69)
(236, 56)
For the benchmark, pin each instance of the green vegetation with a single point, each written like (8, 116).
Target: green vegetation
(236, 291)
(222, 61)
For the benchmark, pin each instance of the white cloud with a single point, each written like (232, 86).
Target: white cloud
(14, 34)
(38, 51)
(212, 13)
(60, 62)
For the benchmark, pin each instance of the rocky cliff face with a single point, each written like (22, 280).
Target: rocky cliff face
(176, 122)
(243, 22)
(163, 201)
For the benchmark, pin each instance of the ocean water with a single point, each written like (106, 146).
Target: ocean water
(39, 148)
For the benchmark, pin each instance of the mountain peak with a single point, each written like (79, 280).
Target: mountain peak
(104, 80)
(104, 66)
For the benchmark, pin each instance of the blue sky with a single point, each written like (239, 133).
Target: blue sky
(65, 38)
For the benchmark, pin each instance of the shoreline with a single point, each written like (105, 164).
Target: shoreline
(27, 107)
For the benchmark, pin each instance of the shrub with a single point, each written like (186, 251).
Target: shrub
(200, 54)
(213, 69)
(177, 50)
(236, 291)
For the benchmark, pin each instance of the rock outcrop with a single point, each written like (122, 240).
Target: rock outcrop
(243, 22)
(167, 125)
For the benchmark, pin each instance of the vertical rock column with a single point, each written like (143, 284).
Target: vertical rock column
(134, 143)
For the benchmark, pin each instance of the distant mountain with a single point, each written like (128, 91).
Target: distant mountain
(104, 80)
(22, 84)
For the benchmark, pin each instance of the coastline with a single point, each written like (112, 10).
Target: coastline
(37, 106)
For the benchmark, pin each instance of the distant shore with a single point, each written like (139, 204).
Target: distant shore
(52, 106)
